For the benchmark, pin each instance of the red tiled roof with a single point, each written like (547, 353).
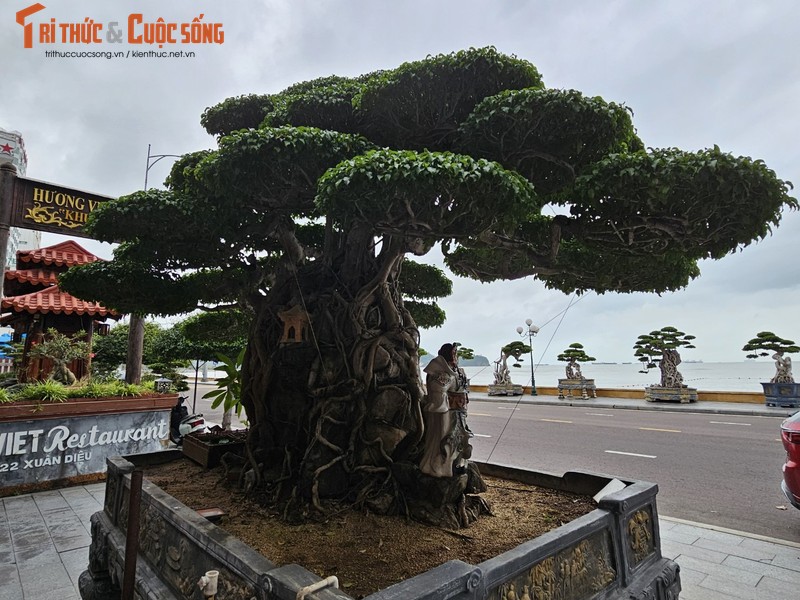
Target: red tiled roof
(35, 276)
(53, 300)
(66, 253)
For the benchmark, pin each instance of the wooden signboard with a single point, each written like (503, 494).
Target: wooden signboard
(50, 207)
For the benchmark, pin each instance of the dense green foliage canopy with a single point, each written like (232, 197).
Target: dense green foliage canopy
(650, 347)
(575, 352)
(767, 343)
(464, 149)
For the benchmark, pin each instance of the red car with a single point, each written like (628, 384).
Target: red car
(790, 435)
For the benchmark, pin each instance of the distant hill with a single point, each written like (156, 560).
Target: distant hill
(478, 361)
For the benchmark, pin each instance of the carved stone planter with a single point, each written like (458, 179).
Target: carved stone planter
(585, 386)
(207, 449)
(785, 395)
(611, 553)
(55, 444)
(510, 389)
(657, 393)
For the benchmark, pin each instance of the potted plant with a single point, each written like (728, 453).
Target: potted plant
(503, 385)
(660, 348)
(574, 379)
(781, 390)
(61, 350)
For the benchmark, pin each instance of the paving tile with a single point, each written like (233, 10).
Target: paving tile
(75, 562)
(695, 551)
(763, 569)
(65, 543)
(730, 589)
(11, 590)
(677, 535)
(36, 557)
(665, 525)
(765, 546)
(691, 577)
(777, 590)
(736, 550)
(719, 536)
(41, 581)
(670, 549)
(721, 571)
(695, 592)
(787, 561)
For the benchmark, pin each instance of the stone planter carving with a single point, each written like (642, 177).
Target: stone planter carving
(585, 386)
(658, 393)
(613, 552)
(785, 395)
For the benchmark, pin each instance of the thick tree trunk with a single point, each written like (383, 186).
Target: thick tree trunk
(133, 364)
(335, 413)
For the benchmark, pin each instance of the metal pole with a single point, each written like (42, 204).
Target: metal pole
(533, 377)
(132, 537)
(147, 169)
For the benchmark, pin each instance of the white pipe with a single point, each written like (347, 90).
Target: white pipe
(331, 581)
(208, 583)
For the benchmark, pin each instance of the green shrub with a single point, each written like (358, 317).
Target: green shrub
(45, 391)
(4, 397)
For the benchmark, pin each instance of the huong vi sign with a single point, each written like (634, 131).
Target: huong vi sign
(49, 207)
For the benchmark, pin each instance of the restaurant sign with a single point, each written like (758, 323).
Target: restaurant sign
(34, 451)
(49, 207)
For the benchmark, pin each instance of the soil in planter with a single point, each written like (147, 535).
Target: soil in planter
(368, 552)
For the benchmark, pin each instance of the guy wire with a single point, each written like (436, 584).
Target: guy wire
(517, 403)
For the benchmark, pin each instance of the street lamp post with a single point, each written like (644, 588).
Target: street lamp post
(531, 332)
(133, 362)
(152, 159)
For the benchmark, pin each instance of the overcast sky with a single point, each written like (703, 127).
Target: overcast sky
(694, 73)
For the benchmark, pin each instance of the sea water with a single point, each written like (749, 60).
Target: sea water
(745, 376)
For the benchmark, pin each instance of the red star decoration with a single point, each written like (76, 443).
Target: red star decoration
(6, 149)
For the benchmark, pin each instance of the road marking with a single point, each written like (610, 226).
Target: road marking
(599, 415)
(657, 429)
(507, 408)
(729, 423)
(629, 454)
(475, 414)
(481, 435)
(555, 421)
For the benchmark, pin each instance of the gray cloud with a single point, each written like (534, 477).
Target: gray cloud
(695, 74)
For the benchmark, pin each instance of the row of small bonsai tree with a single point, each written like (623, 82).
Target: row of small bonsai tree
(659, 348)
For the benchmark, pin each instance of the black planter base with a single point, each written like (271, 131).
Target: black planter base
(784, 395)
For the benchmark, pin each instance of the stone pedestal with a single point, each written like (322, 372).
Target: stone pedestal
(785, 395)
(505, 389)
(585, 386)
(657, 393)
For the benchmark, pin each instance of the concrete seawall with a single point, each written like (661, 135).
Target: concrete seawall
(638, 394)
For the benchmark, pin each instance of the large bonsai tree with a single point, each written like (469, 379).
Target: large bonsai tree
(767, 343)
(307, 208)
(517, 349)
(574, 355)
(660, 348)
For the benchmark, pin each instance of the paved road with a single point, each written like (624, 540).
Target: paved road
(718, 469)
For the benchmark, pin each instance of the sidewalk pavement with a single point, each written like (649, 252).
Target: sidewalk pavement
(702, 406)
(45, 536)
